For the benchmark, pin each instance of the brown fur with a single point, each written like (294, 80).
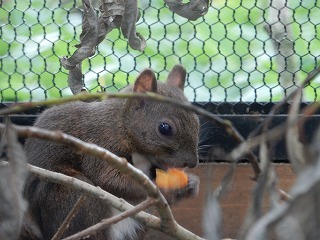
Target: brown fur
(122, 126)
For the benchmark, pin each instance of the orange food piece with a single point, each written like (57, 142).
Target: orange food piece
(172, 179)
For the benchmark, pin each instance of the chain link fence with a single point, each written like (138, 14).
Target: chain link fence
(240, 51)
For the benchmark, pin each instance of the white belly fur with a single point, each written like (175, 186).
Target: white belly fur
(124, 230)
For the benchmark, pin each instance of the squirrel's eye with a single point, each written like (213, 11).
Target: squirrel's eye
(165, 129)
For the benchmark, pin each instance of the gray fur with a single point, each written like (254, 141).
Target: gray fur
(121, 126)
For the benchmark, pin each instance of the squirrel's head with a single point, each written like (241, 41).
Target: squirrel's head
(165, 135)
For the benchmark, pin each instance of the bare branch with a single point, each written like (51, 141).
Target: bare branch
(225, 124)
(68, 218)
(276, 108)
(74, 183)
(168, 224)
(93, 150)
(295, 149)
(106, 222)
(272, 134)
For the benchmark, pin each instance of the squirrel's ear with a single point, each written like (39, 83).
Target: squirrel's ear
(177, 77)
(146, 82)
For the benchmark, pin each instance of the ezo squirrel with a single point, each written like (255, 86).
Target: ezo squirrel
(164, 135)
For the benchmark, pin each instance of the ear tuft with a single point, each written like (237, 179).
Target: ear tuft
(146, 82)
(177, 76)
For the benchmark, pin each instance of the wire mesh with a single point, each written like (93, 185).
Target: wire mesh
(240, 51)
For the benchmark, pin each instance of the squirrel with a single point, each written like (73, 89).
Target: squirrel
(164, 135)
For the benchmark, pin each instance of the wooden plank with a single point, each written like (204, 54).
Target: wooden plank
(234, 205)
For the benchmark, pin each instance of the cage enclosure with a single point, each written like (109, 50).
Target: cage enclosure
(241, 57)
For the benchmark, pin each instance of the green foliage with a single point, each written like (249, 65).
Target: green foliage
(228, 54)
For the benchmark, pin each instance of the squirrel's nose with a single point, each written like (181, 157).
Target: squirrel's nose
(191, 163)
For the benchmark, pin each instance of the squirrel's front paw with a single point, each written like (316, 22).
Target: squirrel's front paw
(190, 190)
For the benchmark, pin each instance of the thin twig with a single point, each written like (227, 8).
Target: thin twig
(167, 219)
(253, 142)
(21, 107)
(225, 124)
(74, 183)
(68, 218)
(276, 108)
(112, 220)
(92, 150)
(272, 134)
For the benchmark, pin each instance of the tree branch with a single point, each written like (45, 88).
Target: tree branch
(106, 222)
(225, 124)
(168, 225)
(109, 199)
(68, 218)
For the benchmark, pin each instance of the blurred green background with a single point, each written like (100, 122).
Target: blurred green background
(239, 51)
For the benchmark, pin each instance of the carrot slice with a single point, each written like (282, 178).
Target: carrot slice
(172, 179)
